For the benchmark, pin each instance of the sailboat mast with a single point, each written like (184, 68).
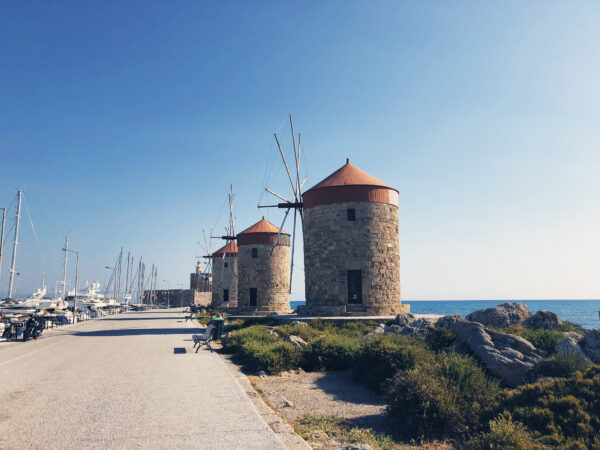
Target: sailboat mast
(2, 238)
(64, 283)
(15, 243)
(127, 278)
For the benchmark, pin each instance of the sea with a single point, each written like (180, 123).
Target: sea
(582, 312)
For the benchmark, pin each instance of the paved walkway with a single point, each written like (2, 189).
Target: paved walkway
(117, 383)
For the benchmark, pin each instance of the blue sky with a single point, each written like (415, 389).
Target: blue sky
(125, 123)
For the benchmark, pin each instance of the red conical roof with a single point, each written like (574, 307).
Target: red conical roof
(349, 175)
(349, 184)
(262, 226)
(263, 232)
(230, 249)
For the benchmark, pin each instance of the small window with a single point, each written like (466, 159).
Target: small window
(253, 296)
(255, 253)
(351, 213)
(225, 295)
(226, 264)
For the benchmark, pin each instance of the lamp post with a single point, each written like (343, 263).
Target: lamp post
(168, 292)
(76, 281)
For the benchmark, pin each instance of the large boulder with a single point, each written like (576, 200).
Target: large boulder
(590, 344)
(501, 316)
(569, 345)
(510, 358)
(543, 319)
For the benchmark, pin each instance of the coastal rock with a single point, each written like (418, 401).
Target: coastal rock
(590, 344)
(379, 329)
(297, 323)
(408, 325)
(404, 319)
(501, 316)
(574, 334)
(543, 319)
(448, 320)
(296, 341)
(569, 345)
(272, 332)
(510, 358)
(393, 329)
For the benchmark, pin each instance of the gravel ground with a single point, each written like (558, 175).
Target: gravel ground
(297, 393)
(116, 382)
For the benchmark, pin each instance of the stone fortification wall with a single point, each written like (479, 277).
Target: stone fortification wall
(333, 245)
(224, 278)
(202, 298)
(269, 273)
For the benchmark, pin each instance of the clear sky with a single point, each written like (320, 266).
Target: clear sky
(125, 123)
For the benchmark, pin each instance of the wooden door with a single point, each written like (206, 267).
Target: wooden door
(354, 287)
(253, 296)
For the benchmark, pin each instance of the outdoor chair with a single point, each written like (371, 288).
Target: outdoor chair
(205, 338)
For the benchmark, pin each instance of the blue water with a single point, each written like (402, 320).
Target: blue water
(583, 312)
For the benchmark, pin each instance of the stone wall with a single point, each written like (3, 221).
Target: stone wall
(224, 278)
(202, 298)
(269, 273)
(333, 245)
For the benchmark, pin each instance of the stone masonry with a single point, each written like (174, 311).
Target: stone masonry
(224, 278)
(269, 273)
(333, 245)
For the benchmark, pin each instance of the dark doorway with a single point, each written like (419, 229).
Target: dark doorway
(225, 295)
(354, 287)
(253, 296)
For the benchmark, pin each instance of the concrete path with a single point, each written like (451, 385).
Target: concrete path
(118, 383)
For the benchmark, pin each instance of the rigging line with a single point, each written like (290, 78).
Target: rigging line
(270, 163)
(9, 233)
(34, 233)
(218, 216)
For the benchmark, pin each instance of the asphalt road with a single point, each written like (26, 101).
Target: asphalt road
(118, 383)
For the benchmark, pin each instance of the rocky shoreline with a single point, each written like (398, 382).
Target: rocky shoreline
(509, 357)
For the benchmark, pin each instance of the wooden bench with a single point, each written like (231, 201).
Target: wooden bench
(205, 338)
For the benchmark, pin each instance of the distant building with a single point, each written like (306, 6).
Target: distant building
(351, 248)
(173, 298)
(201, 285)
(263, 269)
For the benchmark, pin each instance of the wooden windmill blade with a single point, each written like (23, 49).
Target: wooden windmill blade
(296, 202)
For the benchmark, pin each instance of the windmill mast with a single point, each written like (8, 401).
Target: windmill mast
(13, 262)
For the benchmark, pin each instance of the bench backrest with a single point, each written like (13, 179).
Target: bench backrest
(209, 331)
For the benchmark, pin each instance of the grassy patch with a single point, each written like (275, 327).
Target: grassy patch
(346, 431)
(381, 356)
(562, 412)
(445, 396)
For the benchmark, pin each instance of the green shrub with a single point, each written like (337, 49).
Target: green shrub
(440, 337)
(253, 333)
(540, 338)
(443, 396)
(270, 357)
(559, 412)
(504, 434)
(562, 365)
(307, 333)
(331, 352)
(382, 356)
